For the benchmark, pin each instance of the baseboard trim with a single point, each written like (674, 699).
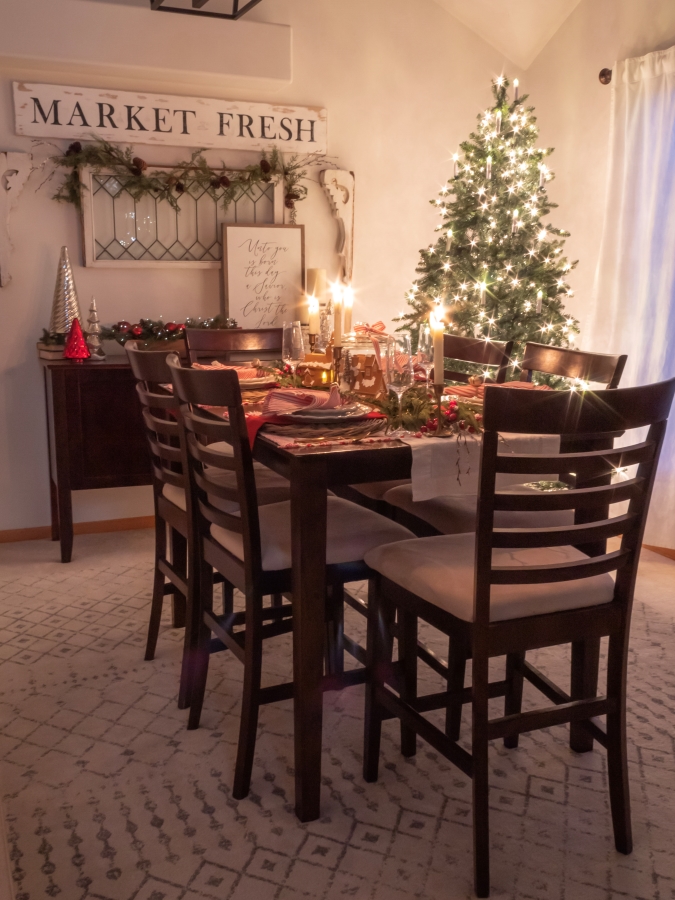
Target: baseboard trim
(44, 532)
(663, 551)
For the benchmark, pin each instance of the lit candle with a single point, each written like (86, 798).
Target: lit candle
(514, 226)
(336, 289)
(498, 117)
(542, 176)
(314, 315)
(348, 303)
(448, 240)
(437, 328)
(482, 287)
(488, 168)
(516, 85)
(455, 157)
(540, 297)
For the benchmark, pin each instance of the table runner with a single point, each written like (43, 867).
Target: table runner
(443, 467)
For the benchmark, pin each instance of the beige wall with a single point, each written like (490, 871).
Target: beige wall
(402, 83)
(574, 117)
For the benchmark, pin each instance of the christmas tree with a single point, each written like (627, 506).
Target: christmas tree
(496, 270)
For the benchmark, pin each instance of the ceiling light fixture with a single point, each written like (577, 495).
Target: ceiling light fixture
(219, 9)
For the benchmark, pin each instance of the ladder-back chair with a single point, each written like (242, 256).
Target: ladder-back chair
(251, 548)
(205, 344)
(579, 365)
(504, 591)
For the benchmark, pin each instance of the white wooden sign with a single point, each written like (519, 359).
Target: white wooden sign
(264, 273)
(51, 110)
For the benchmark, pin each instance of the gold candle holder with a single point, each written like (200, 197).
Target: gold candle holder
(438, 391)
(313, 338)
(337, 357)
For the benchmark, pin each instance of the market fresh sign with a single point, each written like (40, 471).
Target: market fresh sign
(51, 110)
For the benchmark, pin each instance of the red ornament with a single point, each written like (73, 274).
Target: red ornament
(171, 326)
(123, 326)
(76, 346)
(137, 331)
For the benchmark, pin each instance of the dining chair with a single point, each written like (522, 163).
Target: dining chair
(504, 591)
(580, 365)
(171, 574)
(223, 343)
(490, 356)
(250, 545)
(457, 514)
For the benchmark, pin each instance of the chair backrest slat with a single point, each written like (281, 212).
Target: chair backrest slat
(495, 354)
(581, 498)
(561, 535)
(567, 571)
(221, 343)
(601, 368)
(592, 462)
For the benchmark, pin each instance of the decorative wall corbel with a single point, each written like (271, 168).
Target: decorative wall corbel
(339, 187)
(14, 171)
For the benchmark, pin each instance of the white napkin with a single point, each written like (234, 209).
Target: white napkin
(288, 400)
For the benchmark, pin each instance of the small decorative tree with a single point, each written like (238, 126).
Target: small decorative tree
(496, 270)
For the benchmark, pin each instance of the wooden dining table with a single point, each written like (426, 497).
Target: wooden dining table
(312, 472)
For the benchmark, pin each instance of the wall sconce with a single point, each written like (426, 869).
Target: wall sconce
(217, 9)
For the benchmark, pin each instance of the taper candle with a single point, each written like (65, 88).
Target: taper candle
(437, 328)
(314, 315)
(348, 305)
(336, 289)
(516, 85)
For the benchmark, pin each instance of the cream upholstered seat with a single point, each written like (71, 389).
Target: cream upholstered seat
(457, 514)
(440, 570)
(271, 488)
(375, 490)
(352, 531)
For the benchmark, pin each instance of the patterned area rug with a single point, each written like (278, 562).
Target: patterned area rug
(107, 796)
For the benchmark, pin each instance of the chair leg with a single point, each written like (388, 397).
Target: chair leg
(378, 660)
(179, 562)
(196, 662)
(617, 756)
(457, 657)
(584, 684)
(228, 598)
(335, 620)
(407, 655)
(250, 700)
(513, 701)
(157, 589)
(480, 786)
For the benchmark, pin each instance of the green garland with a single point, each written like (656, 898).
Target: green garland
(224, 184)
(419, 412)
(145, 330)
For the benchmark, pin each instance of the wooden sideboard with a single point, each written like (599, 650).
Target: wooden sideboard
(96, 434)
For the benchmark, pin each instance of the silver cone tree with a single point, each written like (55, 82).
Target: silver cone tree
(65, 308)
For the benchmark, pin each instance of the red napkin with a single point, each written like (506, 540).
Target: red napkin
(244, 372)
(471, 392)
(289, 400)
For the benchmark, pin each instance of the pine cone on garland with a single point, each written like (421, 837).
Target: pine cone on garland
(74, 149)
(289, 204)
(180, 187)
(138, 165)
(265, 167)
(224, 181)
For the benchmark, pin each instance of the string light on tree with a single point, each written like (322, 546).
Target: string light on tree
(493, 233)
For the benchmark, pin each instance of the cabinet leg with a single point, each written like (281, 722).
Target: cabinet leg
(65, 526)
(54, 509)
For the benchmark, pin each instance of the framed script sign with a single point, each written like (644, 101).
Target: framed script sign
(263, 273)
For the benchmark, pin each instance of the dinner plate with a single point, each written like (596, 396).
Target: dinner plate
(340, 414)
(246, 383)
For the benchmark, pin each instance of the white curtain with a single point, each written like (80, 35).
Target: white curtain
(635, 282)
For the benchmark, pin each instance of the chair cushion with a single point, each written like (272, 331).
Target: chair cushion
(352, 532)
(377, 489)
(271, 488)
(441, 571)
(457, 514)
(228, 450)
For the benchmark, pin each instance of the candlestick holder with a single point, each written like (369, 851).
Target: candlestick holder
(313, 338)
(438, 392)
(337, 358)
